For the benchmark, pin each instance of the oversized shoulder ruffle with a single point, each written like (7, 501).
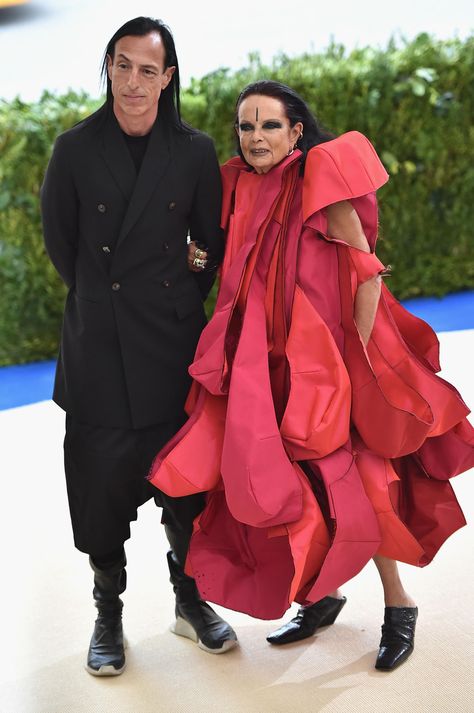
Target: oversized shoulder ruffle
(346, 167)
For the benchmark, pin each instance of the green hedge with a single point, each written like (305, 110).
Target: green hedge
(31, 293)
(415, 103)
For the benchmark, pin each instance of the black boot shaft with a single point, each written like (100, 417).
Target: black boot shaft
(106, 655)
(194, 618)
(109, 583)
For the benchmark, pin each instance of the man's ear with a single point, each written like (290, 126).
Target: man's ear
(109, 66)
(167, 76)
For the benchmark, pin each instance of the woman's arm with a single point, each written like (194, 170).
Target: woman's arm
(344, 224)
(365, 308)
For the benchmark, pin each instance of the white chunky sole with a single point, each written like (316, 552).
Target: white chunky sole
(181, 627)
(105, 670)
(108, 670)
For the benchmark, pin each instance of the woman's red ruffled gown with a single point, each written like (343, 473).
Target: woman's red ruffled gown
(317, 452)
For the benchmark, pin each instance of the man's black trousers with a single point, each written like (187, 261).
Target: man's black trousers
(106, 471)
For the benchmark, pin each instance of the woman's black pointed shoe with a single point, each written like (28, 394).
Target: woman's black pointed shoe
(398, 637)
(307, 621)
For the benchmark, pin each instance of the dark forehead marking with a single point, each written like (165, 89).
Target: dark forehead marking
(256, 113)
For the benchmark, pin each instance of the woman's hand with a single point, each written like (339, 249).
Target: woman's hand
(197, 258)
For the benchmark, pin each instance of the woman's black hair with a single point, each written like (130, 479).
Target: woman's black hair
(296, 110)
(170, 106)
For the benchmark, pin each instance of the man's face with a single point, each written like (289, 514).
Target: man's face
(138, 76)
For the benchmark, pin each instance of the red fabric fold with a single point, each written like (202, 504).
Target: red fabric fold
(316, 451)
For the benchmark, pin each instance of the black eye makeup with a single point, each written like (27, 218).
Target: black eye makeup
(272, 125)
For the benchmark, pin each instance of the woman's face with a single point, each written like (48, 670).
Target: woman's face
(264, 132)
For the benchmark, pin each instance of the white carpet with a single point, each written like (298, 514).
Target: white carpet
(47, 611)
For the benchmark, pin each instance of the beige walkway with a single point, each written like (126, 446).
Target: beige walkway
(47, 611)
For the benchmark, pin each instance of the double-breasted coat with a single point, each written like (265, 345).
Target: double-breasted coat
(134, 311)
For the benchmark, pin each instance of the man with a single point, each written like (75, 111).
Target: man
(122, 190)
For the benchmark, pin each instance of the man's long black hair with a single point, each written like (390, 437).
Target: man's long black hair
(170, 106)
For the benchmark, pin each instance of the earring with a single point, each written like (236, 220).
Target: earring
(296, 144)
(290, 151)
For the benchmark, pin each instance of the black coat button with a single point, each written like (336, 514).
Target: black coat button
(101, 208)
(106, 249)
(172, 205)
(166, 283)
(166, 246)
(115, 286)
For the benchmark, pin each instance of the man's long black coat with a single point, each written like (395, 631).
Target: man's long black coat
(134, 311)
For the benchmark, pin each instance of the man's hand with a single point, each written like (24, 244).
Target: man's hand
(197, 258)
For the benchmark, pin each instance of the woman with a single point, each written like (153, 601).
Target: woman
(317, 422)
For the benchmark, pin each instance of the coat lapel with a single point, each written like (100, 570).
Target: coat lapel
(154, 166)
